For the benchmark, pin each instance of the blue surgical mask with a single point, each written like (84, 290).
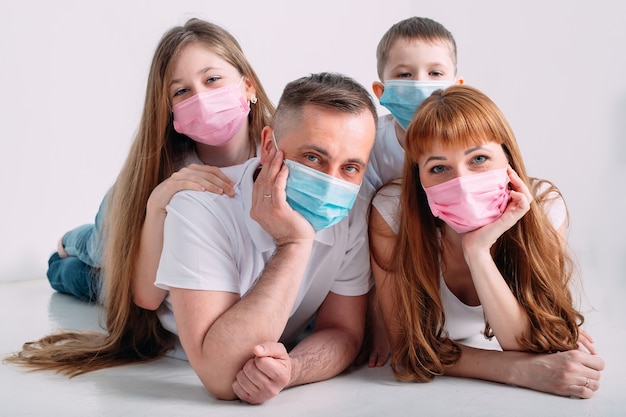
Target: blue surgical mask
(403, 97)
(320, 198)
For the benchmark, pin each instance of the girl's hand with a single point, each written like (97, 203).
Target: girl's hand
(193, 177)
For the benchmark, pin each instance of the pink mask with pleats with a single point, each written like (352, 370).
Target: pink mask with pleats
(471, 201)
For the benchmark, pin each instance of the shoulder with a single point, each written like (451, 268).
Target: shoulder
(388, 196)
(387, 203)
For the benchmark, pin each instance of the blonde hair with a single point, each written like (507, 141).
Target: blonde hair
(134, 334)
(531, 255)
(413, 28)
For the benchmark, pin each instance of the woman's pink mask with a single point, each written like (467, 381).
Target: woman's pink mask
(468, 202)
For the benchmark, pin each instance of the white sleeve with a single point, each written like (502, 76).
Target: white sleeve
(387, 202)
(197, 252)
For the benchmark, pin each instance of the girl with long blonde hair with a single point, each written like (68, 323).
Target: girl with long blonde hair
(196, 68)
(470, 244)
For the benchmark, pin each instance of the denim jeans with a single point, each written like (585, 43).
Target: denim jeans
(72, 276)
(79, 273)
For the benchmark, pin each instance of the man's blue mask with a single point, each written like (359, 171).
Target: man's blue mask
(320, 198)
(403, 97)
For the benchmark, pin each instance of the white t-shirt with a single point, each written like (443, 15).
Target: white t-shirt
(462, 321)
(387, 156)
(211, 243)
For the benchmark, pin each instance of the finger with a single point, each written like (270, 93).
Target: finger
(585, 343)
(207, 181)
(246, 383)
(240, 393)
(594, 363)
(586, 334)
(273, 370)
(377, 360)
(274, 350)
(280, 184)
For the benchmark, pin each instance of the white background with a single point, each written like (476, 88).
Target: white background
(73, 76)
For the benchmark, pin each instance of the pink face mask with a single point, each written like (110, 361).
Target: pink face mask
(470, 201)
(212, 117)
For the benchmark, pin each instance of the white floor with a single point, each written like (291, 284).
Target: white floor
(169, 387)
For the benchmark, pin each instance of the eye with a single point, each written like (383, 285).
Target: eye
(180, 91)
(312, 158)
(352, 169)
(480, 159)
(405, 75)
(212, 79)
(436, 74)
(438, 169)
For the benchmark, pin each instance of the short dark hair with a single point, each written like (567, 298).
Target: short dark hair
(325, 89)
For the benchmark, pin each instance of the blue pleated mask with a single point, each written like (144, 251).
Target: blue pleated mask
(320, 198)
(403, 97)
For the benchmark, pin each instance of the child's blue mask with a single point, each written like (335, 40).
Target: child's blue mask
(403, 97)
(320, 198)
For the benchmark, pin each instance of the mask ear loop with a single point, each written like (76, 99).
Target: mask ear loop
(275, 143)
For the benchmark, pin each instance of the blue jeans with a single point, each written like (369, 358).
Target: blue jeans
(72, 276)
(79, 273)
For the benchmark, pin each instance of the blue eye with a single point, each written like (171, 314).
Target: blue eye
(211, 80)
(312, 158)
(479, 159)
(181, 91)
(437, 169)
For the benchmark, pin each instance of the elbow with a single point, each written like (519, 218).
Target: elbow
(218, 382)
(147, 303)
(221, 392)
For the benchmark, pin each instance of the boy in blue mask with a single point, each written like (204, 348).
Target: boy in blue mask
(415, 57)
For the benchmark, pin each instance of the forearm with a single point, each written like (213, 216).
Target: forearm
(572, 374)
(145, 293)
(260, 316)
(488, 365)
(505, 314)
(323, 355)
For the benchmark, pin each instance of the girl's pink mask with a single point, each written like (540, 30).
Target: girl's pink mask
(212, 117)
(471, 201)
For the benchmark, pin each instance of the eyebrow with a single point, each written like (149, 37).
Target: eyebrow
(201, 71)
(323, 152)
(467, 152)
(475, 148)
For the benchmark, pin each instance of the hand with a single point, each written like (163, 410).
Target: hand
(574, 373)
(376, 348)
(61, 249)
(193, 177)
(518, 206)
(265, 375)
(269, 204)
